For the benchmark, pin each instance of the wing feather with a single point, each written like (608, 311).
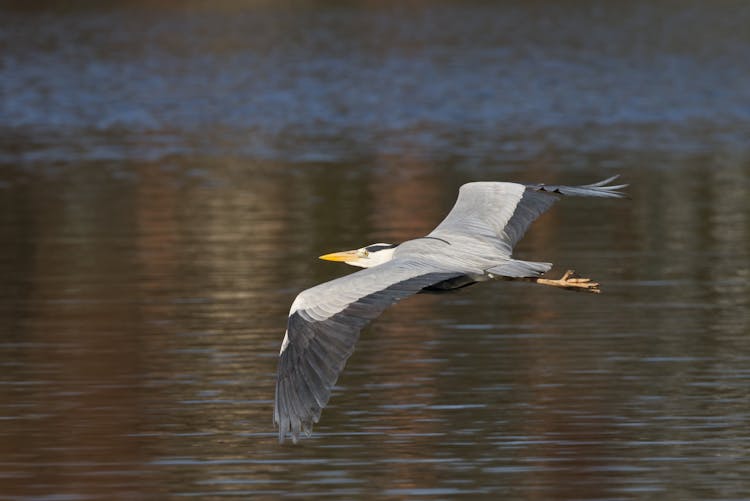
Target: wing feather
(324, 325)
(482, 209)
(502, 212)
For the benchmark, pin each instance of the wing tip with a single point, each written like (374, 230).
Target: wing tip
(604, 186)
(290, 413)
(602, 189)
(294, 428)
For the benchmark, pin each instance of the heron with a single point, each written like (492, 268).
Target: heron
(474, 243)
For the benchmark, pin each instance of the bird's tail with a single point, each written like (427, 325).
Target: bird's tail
(600, 189)
(520, 269)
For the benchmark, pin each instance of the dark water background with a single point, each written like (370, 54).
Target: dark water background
(169, 173)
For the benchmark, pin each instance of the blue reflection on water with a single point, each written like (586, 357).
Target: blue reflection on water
(333, 83)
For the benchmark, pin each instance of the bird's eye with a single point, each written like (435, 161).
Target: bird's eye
(365, 253)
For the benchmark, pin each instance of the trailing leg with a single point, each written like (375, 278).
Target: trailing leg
(570, 281)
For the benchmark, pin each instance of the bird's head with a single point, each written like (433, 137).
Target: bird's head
(365, 257)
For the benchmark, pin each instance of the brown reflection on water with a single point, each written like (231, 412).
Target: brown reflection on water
(206, 281)
(406, 194)
(75, 341)
(157, 229)
(146, 315)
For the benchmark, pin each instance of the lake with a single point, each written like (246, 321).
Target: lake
(169, 175)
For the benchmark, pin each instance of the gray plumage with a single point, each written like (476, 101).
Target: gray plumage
(473, 243)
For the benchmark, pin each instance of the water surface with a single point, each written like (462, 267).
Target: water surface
(167, 177)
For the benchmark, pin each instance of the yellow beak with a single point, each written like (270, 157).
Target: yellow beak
(340, 256)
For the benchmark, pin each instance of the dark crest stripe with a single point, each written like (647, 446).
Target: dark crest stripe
(379, 247)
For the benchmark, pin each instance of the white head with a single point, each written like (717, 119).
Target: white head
(365, 257)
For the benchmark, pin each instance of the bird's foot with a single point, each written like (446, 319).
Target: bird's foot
(571, 281)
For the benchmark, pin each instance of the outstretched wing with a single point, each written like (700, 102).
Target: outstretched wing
(502, 212)
(323, 327)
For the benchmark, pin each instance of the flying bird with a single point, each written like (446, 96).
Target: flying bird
(474, 243)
